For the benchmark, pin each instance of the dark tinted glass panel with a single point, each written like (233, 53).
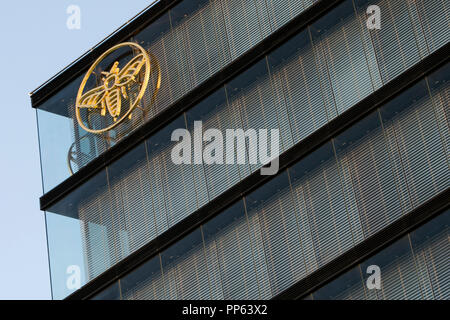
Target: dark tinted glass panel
(215, 113)
(431, 246)
(184, 268)
(272, 213)
(349, 286)
(144, 283)
(297, 87)
(326, 228)
(341, 57)
(130, 183)
(231, 257)
(367, 174)
(414, 267)
(110, 293)
(416, 144)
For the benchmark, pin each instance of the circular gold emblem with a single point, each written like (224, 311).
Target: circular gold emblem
(120, 90)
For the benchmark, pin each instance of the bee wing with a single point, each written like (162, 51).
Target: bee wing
(93, 98)
(114, 102)
(131, 70)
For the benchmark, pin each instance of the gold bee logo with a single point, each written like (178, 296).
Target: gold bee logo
(108, 98)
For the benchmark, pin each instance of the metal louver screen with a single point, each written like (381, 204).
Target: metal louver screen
(371, 175)
(320, 208)
(194, 40)
(415, 267)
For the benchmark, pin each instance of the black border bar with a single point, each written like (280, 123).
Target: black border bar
(46, 90)
(367, 248)
(294, 154)
(189, 100)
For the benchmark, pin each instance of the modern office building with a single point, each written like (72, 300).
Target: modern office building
(364, 166)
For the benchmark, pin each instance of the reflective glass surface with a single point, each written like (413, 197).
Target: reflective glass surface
(191, 42)
(413, 268)
(337, 196)
(317, 75)
(357, 183)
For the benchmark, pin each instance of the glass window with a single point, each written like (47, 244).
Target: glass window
(251, 93)
(110, 293)
(200, 47)
(399, 43)
(439, 85)
(244, 22)
(398, 273)
(155, 38)
(367, 175)
(297, 87)
(282, 11)
(326, 228)
(414, 267)
(215, 113)
(314, 77)
(81, 236)
(144, 283)
(231, 257)
(388, 163)
(272, 215)
(66, 247)
(348, 286)
(184, 268)
(173, 185)
(131, 193)
(434, 21)
(58, 129)
(416, 144)
(431, 245)
(341, 56)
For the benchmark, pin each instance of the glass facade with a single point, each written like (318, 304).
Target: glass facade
(357, 183)
(341, 63)
(192, 41)
(413, 268)
(368, 182)
(416, 267)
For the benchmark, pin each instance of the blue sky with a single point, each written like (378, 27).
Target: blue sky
(36, 44)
